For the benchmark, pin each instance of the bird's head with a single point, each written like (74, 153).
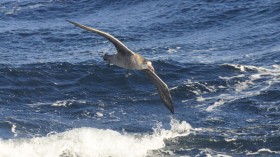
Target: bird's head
(148, 65)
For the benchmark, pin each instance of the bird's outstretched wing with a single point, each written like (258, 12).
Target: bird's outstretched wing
(162, 89)
(121, 48)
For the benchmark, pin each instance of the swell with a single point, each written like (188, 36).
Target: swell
(204, 29)
(200, 142)
(58, 81)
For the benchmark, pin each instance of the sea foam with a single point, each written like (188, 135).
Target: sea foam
(93, 142)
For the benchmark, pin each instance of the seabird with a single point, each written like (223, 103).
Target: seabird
(128, 59)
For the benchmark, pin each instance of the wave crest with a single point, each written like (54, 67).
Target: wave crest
(89, 142)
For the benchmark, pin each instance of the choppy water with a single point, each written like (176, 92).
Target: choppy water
(220, 59)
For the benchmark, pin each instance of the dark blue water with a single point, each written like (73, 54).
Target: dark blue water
(220, 59)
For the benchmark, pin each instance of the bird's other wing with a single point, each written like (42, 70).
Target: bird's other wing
(162, 89)
(121, 48)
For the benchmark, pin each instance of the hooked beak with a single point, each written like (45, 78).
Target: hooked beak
(151, 68)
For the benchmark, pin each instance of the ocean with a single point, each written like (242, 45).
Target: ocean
(220, 59)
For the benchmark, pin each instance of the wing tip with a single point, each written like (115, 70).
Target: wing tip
(171, 109)
(68, 21)
(74, 23)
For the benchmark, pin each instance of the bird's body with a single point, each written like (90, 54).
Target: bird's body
(128, 59)
(135, 61)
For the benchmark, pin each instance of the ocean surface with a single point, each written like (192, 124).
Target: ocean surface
(220, 59)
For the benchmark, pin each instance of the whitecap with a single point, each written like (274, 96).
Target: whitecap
(93, 142)
(251, 82)
(216, 104)
(263, 150)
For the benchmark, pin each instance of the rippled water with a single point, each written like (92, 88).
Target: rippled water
(219, 58)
